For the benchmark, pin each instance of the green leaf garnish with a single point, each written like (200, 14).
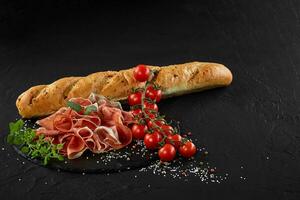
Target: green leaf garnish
(74, 106)
(89, 109)
(25, 149)
(25, 139)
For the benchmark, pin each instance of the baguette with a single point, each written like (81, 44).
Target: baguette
(173, 80)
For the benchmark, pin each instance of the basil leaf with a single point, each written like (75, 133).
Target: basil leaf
(89, 109)
(74, 106)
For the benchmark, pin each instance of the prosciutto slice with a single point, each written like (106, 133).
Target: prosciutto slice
(102, 130)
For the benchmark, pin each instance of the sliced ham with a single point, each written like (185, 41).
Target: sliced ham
(108, 135)
(47, 132)
(85, 123)
(84, 132)
(64, 139)
(100, 131)
(81, 101)
(125, 135)
(75, 147)
(48, 121)
(63, 123)
(99, 146)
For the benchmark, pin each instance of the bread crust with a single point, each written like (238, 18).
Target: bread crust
(174, 80)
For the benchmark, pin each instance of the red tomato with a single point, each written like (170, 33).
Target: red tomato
(135, 98)
(150, 106)
(141, 73)
(157, 122)
(187, 150)
(167, 152)
(139, 131)
(153, 94)
(136, 112)
(167, 129)
(150, 115)
(175, 140)
(151, 140)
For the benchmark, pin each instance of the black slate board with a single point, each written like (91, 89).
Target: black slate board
(133, 156)
(99, 163)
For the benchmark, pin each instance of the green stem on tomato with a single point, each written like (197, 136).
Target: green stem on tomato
(143, 97)
(143, 108)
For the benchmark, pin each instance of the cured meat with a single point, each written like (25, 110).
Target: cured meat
(48, 121)
(47, 132)
(86, 123)
(63, 122)
(102, 130)
(76, 146)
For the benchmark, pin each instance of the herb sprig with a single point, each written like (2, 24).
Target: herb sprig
(35, 147)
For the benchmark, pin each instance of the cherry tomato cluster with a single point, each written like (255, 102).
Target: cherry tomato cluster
(151, 127)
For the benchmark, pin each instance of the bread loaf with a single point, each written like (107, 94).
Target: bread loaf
(173, 80)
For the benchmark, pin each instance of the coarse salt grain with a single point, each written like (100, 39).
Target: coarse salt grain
(178, 169)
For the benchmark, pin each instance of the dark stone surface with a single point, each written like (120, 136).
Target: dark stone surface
(110, 162)
(251, 128)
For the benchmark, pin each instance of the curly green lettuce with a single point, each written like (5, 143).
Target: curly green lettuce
(35, 147)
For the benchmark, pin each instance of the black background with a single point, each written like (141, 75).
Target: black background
(251, 128)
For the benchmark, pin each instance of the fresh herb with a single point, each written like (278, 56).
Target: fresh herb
(89, 109)
(78, 107)
(74, 106)
(35, 147)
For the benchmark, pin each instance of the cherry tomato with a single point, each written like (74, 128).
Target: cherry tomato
(167, 152)
(139, 131)
(150, 115)
(151, 140)
(136, 112)
(134, 98)
(153, 94)
(187, 150)
(174, 139)
(150, 106)
(141, 73)
(167, 129)
(159, 123)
